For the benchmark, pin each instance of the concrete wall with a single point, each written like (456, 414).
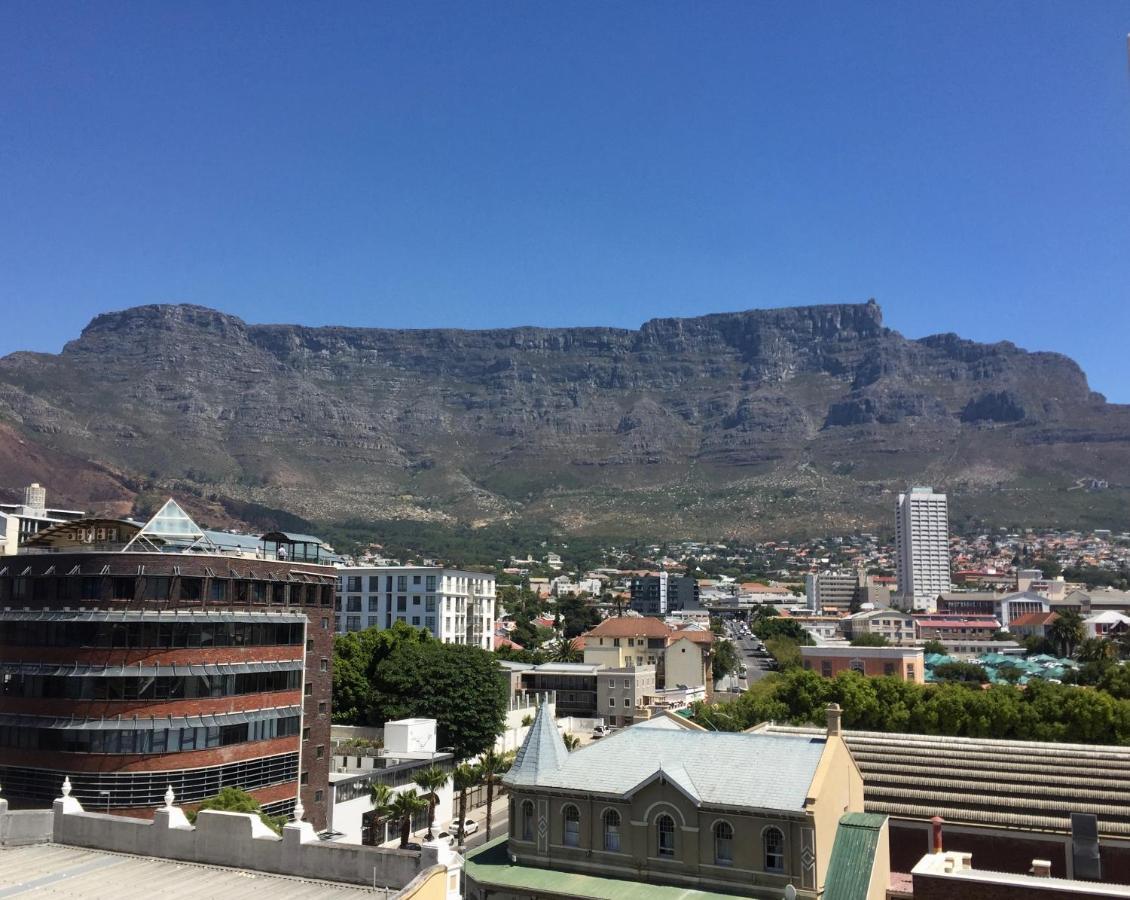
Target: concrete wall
(242, 841)
(32, 826)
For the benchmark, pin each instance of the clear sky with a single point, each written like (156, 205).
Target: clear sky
(499, 163)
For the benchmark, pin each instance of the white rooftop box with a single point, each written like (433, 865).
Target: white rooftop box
(410, 737)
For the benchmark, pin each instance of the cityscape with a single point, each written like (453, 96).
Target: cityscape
(539, 451)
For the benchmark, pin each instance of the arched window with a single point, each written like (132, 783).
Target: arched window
(774, 842)
(665, 836)
(857, 666)
(612, 831)
(724, 844)
(572, 833)
(528, 820)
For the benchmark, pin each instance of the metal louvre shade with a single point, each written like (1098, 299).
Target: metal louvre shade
(149, 724)
(155, 616)
(25, 668)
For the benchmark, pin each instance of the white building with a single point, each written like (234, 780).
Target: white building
(455, 606)
(922, 554)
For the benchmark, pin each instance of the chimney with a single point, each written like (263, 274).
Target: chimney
(936, 830)
(833, 713)
(1041, 868)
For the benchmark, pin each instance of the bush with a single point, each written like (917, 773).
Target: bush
(870, 640)
(232, 799)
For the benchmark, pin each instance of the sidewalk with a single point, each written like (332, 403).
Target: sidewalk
(500, 820)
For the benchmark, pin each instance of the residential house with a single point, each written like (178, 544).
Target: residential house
(896, 626)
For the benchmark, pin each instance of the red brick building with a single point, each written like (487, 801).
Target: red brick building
(136, 658)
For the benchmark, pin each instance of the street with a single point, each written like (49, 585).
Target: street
(757, 667)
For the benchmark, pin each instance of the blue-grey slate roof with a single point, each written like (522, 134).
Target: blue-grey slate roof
(762, 771)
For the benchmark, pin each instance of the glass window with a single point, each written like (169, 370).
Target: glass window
(527, 820)
(612, 831)
(665, 836)
(572, 832)
(402, 582)
(723, 843)
(774, 841)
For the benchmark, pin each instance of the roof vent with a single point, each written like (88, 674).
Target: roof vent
(833, 712)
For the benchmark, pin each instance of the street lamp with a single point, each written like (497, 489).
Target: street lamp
(106, 794)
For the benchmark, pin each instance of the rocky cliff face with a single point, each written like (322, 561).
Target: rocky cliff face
(795, 419)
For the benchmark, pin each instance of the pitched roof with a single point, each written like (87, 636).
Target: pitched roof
(541, 753)
(1036, 618)
(624, 626)
(700, 763)
(990, 782)
(853, 856)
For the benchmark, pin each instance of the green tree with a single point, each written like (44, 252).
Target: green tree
(1095, 649)
(233, 799)
(1067, 631)
(724, 659)
(935, 646)
(566, 651)
(404, 806)
(870, 639)
(429, 781)
(785, 650)
(572, 742)
(963, 672)
(465, 777)
(492, 766)
(356, 658)
(459, 686)
(380, 800)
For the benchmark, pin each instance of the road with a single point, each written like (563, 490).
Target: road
(757, 667)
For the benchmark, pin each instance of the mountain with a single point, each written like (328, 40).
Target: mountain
(777, 421)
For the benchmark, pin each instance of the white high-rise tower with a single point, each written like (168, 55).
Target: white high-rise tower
(922, 548)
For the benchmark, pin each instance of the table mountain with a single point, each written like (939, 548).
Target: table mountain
(749, 423)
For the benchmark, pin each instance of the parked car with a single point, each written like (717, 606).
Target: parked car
(600, 731)
(447, 837)
(469, 826)
(414, 846)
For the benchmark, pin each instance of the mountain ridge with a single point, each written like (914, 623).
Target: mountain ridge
(750, 422)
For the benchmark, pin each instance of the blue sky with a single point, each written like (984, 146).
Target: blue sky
(501, 163)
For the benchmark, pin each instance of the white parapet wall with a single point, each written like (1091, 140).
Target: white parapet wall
(242, 841)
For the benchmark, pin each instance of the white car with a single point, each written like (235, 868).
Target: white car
(600, 731)
(447, 837)
(469, 826)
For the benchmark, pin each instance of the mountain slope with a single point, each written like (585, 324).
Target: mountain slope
(781, 420)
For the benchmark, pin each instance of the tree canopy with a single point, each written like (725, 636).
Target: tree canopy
(1040, 712)
(402, 672)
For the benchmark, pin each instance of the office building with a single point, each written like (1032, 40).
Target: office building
(457, 607)
(19, 521)
(658, 595)
(922, 555)
(139, 656)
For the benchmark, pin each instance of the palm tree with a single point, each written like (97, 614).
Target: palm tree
(572, 742)
(492, 766)
(465, 777)
(380, 796)
(1096, 649)
(566, 651)
(429, 781)
(1067, 631)
(404, 806)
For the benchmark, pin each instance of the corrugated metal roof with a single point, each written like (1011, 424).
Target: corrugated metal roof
(68, 873)
(1025, 784)
(853, 856)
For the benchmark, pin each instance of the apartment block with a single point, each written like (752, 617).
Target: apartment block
(456, 606)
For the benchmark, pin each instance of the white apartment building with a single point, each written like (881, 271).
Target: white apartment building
(922, 554)
(455, 606)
